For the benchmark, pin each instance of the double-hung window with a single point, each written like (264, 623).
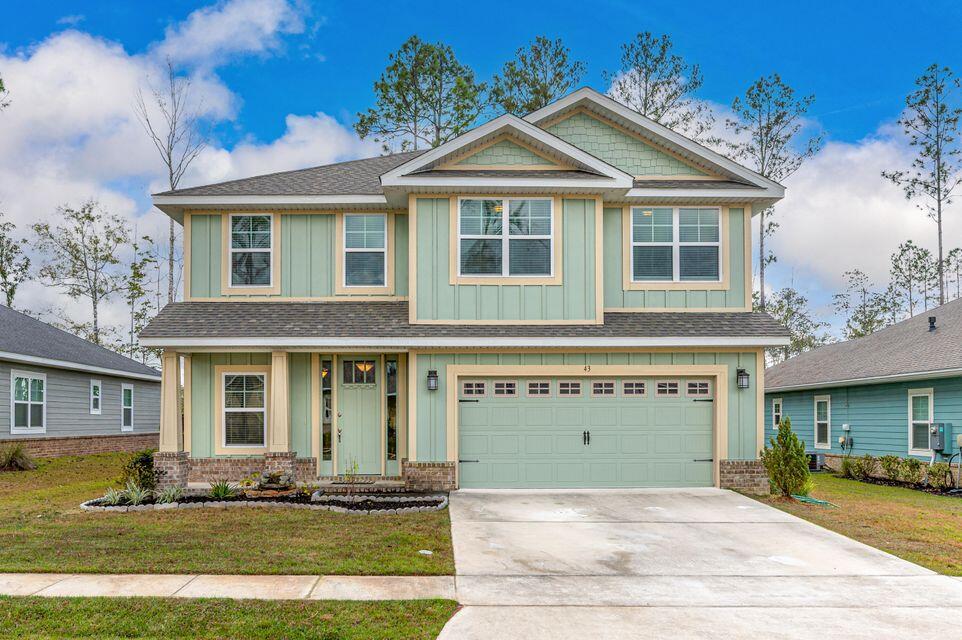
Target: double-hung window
(245, 410)
(127, 407)
(28, 402)
(365, 250)
(823, 422)
(776, 413)
(921, 412)
(251, 250)
(675, 244)
(96, 390)
(506, 237)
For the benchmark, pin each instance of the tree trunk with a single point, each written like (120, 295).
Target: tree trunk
(170, 264)
(93, 303)
(941, 264)
(761, 261)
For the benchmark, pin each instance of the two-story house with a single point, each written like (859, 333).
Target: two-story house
(562, 300)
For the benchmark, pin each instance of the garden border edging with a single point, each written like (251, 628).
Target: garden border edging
(314, 505)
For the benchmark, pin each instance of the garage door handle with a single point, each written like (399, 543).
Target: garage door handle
(468, 400)
(584, 438)
(703, 460)
(703, 400)
(469, 461)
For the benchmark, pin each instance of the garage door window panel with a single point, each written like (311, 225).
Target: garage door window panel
(569, 388)
(603, 388)
(538, 388)
(667, 388)
(505, 388)
(634, 388)
(473, 388)
(698, 389)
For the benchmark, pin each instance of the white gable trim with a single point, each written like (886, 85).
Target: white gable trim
(399, 175)
(710, 157)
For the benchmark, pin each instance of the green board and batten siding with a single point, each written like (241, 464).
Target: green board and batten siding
(308, 250)
(430, 408)
(617, 298)
(438, 299)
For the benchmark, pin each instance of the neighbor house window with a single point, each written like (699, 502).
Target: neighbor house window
(365, 250)
(251, 250)
(921, 412)
(677, 244)
(776, 413)
(359, 372)
(96, 389)
(666, 388)
(245, 410)
(126, 407)
(505, 237)
(539, 388)
(633, 388)
(28, 409)
(823, 422)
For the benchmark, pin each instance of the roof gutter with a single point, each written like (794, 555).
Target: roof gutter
(74, 366)
(849, 382)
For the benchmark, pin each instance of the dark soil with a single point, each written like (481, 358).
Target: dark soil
(948, 491)
(404, 501)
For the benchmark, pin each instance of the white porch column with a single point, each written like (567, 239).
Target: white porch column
(280, 427)
(171, 432)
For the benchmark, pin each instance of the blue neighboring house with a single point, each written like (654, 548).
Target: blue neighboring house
(887, 388)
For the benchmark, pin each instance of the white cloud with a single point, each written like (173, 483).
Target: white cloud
(72, 20)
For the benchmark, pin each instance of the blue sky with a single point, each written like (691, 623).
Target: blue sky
(282, 80)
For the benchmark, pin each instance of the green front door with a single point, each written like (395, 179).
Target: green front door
(585, 432)
(359, 410)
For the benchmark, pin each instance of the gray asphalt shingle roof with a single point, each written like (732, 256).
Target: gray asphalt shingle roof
(390, 320)
(901, 349)
(23, 335)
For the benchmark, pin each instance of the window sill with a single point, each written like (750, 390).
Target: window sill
(506, 280)
(126, 429)
(824, 447)
(676, 285)
(926, 453)
(27, 431)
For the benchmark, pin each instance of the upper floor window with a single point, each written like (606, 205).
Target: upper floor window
(251, 250)
(28, 411)
(365, 250)
(505, 237)
(677, 244)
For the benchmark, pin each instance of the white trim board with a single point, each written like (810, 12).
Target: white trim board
(74, 366)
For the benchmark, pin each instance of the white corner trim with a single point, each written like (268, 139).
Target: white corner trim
(74, 366)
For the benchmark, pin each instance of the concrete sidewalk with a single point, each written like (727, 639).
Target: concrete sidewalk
(239, 587)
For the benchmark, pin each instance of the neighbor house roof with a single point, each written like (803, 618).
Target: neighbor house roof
(386, 323)
(904, 350)
(28, 340)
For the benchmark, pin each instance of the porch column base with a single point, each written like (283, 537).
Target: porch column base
(283, 462)
(746, 476)
(172, 468)
(429, 476)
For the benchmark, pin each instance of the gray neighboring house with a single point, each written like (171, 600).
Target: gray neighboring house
(62, 395)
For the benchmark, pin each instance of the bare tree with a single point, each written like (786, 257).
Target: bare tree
(14, 263)
(171, 121)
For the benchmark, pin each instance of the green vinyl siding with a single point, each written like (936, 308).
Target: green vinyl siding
(438, 299)
(877, 414)
(431, 414)
(615, 245)
(505, 152)
(615, 147)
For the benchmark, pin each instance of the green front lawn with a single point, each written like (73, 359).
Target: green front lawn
(920, 527)
(174, 618)
(43, 530)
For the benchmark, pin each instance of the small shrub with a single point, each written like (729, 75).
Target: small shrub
(136, 494)
(169, 494)
(306, 490)
(847, 469)
(807, 488)
(113, 497)
(785, 461)
(222, 489)
(251, 481)
(863, 468)
(890, 465)
(14, 457)
(910, 470)
(939, 475)
(139, 469)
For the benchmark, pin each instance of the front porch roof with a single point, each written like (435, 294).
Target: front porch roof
(385, 324)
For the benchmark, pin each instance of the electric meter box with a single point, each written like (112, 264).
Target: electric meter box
(938, 435)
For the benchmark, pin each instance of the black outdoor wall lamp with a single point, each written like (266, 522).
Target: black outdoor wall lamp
(742, 378)
(432, 380)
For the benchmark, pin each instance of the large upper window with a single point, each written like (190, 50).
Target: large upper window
(245, 410)
(823, 422)
(920, 416)
(680, 244)
(251, 250)
(505, 237)
(28, 411)
(365, 250)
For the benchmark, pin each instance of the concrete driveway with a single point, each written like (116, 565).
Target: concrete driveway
(684, 563)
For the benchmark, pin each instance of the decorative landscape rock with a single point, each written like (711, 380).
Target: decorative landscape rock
(366, 504)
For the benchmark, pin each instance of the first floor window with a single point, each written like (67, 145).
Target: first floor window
(251, 250)
(675, 244)
(29, 410)
(776, 413)
(505, 237)
(95, 400)
(127, 407)
(365, 250)
(920, 417)
(823, 421)
(245, 410)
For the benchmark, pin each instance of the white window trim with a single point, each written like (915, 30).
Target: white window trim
(675, 244)
(224, 410)
(659, 394)
(231, 250)
(124, 387)
(19, 373)
(527, 388)
(930, 394)
(346, 251)
(643, 394)
(780, 413)
(581, 389)
(828, 437)
(614, 388)
(99, 410)
(505, 237)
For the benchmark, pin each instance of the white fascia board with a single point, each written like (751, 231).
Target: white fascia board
(658, 130)
(741, 194)
(854, 382)
(468, 342)
(391, 178)
(186, 200)
(430, 181)
(74, 366)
